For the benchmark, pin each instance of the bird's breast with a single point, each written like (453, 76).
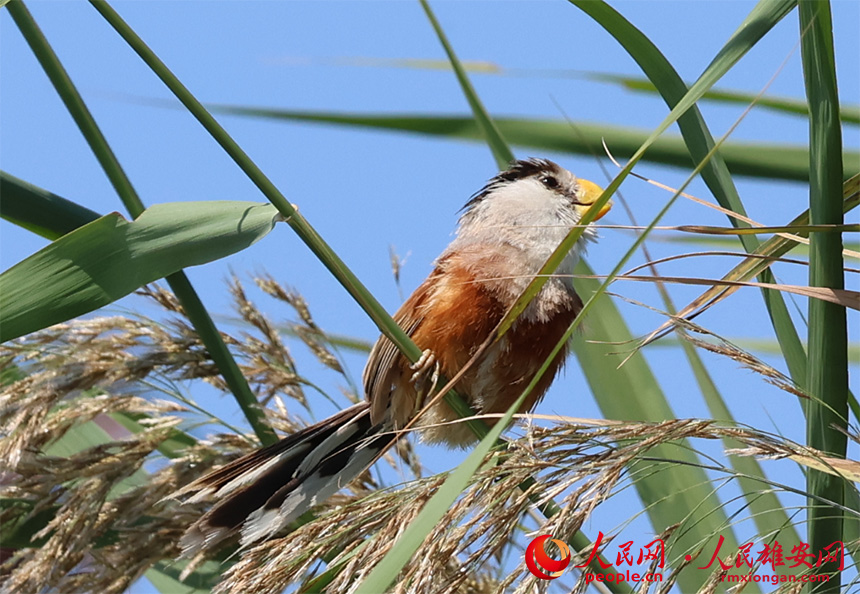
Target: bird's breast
(462, 311)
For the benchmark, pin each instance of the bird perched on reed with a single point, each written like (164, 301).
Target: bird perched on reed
(507, 231)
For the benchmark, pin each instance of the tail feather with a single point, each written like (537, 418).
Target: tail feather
(265, 490)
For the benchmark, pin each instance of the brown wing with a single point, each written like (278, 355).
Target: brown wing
(383, 362)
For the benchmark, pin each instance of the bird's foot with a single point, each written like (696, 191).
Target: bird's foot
(425, 368)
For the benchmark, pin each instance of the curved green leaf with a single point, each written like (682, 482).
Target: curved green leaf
(40, 211)
(753, 159)
(109, 258)
(178, 282)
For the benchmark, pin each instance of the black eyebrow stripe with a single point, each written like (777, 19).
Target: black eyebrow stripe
(518, 170)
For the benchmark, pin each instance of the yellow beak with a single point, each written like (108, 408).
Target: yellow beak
(591, 192)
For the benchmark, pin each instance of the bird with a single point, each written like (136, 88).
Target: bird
(507, 230)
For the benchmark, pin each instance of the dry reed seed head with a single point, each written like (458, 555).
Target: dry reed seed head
(87, 487)
(67, 376)
(583, 464)
(396, 264)
(268, 364)
(84, 510)
(166, 299)
(466, 526)
(249, 311)
(270, 566)
(307, 331)
(770, 374)
(75, 373)
(748, 360)
(279, 416)
(99, 351)
(482, 522)
(270, 286)
(310, 336)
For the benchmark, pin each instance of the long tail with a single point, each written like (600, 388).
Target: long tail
(265, 490)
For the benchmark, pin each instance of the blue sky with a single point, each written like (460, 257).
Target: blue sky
(365, 191)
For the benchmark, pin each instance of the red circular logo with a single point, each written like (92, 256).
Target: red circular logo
(541, 564)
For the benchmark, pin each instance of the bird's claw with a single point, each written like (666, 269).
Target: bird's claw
(426, 366)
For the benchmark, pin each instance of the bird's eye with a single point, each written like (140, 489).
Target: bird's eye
(549, 181)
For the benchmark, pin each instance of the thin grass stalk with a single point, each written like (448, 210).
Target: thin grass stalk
(850, 114)
(385, 572)
(699, 141)
(296, 221)
(768, 513)
(179, 283)
(733, 50)
(696, 135)
(292, 217)
(73, 101)
(828, 337)
(504, 155)
(490, 131)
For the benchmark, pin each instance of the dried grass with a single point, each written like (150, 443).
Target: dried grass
(99, 513)
(583, 464)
